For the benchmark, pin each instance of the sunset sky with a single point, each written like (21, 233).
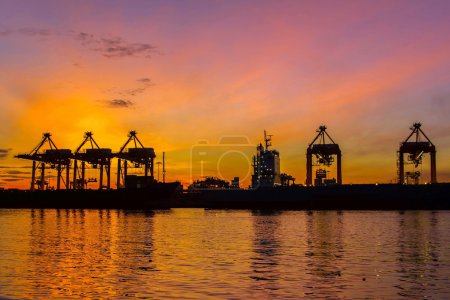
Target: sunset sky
(182, 71)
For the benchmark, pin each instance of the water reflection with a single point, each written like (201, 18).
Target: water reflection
(325, 251)
(81, 250)
(266, 248)
(197, 254)
(418, 258)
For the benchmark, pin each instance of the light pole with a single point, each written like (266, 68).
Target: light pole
(158, 163)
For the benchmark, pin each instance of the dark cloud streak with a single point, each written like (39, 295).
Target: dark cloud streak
(5, 32)
(11, 179)
(114, 47)
(146, 81)
(122, 94)
(132, 92)
(16, 172)
(108, 46)
(11, 174)
(10, 167)
(35, 32)
(120, 103)
(4, 153)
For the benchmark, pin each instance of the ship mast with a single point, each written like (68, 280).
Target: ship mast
(267, 139)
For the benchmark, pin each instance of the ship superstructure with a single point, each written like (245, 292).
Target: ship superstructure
(266, 165)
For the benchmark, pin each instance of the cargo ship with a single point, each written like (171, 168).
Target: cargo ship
(333, 197)
(270, 189)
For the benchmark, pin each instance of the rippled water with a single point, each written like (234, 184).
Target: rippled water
(194, 253)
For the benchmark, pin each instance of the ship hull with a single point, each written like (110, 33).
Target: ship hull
(166, 196)
(158, 196)
(338, 197)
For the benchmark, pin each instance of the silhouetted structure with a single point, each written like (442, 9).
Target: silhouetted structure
(324, 157)
(209, 183)
(287, 179)
(54, 157)
(164, 167)
(158, 164)
(416, 149)
(95, 156)
(235, 183)
(140, 157)
(266, 165)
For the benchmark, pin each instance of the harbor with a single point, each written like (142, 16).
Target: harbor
(270, 188)
(231, 150)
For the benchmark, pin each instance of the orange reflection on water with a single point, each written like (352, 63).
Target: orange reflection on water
(196, 253)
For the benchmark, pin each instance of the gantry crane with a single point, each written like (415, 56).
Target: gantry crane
(416, 148)
(324, 156)
(95, 156)
(139, 156)
(58, 159)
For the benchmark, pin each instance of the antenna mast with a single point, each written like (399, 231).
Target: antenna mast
(268, 139)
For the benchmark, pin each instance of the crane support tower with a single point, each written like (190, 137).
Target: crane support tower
(58, 159)
(96, 157)
(324, 153)
(140, 157)
(416, 147)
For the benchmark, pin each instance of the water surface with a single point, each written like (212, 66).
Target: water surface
(195, 253)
